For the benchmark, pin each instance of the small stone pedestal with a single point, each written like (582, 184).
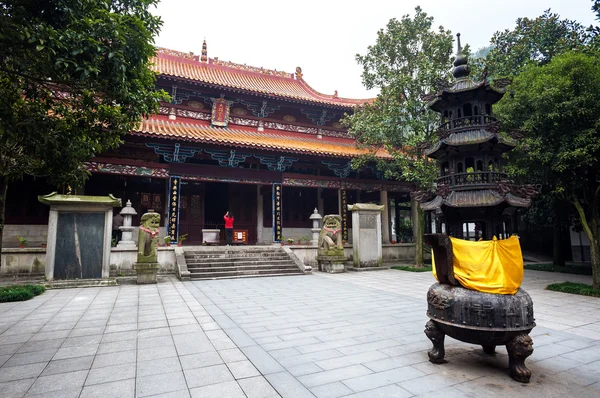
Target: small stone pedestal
(146, 272)
(315, 217)
(331, 264)
(127, 241)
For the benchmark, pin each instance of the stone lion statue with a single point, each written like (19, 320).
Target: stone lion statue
(148, 238)
(330, 237)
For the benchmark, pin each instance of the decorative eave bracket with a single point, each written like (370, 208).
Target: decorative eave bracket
(174, 153)
(228, 158)
(276, 163)
(340, 169)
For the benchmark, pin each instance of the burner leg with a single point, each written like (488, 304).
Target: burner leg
(519, 348)
(436, 354)
(489, 349)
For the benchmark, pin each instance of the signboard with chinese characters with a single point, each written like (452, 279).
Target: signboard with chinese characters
(220, 112)
(344, 215)
(173, 219)
(277, 212)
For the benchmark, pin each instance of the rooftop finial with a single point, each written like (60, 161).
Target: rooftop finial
(461, 69)
(204, 57)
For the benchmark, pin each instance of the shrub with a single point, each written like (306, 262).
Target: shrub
(574, 288)
(19, 292)
(412, 269)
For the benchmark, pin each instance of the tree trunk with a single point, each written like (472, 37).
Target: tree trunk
(419, 237)
(595, 258)
(591, 230)
(3, 190)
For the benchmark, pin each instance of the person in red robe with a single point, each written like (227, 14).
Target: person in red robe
(228, 217)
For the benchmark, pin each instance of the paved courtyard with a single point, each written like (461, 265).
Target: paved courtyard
(353, 334)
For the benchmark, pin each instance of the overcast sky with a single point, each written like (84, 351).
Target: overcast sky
(324, 36)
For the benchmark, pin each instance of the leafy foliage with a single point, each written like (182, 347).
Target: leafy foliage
(534, 41)
(568, 269)
(20, 292)
(574, 288)
(74, 77)
(556, 107)
(412, 269)
(409, 61)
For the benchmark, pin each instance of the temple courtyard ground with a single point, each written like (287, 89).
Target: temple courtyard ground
(352, 334)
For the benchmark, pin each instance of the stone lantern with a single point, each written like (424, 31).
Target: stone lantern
(315, 217)
(127, 241)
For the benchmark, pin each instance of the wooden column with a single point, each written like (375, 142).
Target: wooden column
(385, 217)
(259, 215)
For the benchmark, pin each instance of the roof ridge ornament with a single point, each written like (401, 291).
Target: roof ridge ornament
(461, 69)
(204, 57)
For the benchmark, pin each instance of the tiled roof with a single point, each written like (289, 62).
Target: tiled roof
(475, 198)
(470, 137)
(200, 132)
(242, 77)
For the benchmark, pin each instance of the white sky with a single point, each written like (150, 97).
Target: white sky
(323, 37)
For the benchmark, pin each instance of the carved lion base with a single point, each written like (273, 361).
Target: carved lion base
(146, 273)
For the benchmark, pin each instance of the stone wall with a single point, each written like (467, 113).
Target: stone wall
(35, 235)
(28, 261)
(294, 233)
(32, 261)
(400, 252)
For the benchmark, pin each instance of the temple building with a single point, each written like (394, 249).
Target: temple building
(259, 143)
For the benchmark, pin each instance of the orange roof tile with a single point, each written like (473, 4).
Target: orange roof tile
(258, 80)
(200, 131)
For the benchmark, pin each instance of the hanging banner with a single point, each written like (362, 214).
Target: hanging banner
(220, 112)
(173, 220)
(344, 215)
(277, 212)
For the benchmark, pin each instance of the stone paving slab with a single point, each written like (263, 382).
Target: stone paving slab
(350, 335)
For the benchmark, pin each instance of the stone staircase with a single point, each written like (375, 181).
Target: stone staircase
(239, 262)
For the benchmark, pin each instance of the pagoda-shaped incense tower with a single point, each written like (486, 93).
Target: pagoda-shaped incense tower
(474, 198)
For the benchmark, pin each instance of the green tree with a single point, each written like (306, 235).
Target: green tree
(408, 61)
(556, 107)
(74, 78)
(534, 41)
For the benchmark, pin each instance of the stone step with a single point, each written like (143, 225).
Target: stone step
(236, 260)
(221, 274)
(234, 254)
(289, 265)
(239, 276)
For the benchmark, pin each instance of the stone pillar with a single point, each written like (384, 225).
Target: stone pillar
(394, 238)
(315, 217)
(366, 235)
(127, 241)
(259, 215)
(385, 218)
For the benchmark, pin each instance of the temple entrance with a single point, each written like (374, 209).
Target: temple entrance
(239, 199)
(191, 211)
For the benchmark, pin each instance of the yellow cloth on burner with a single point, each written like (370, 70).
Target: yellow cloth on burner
(492, 266)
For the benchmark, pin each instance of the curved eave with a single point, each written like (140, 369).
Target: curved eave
(475, 198)
(439, 102)
(470, 137)
(200, 132)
